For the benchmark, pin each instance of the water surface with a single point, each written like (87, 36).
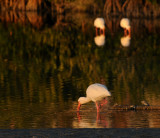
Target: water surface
(47, 63)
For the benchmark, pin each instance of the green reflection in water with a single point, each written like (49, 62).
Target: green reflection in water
(44, 72)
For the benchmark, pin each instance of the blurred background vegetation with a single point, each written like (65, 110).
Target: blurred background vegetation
(134, 8)
(34, 61)
(48, 60)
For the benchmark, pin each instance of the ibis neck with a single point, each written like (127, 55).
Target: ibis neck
(84, 100)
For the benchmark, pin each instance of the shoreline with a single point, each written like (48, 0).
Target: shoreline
(68, 132)
(129, 8)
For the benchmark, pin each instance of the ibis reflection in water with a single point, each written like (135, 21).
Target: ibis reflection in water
(125, 24)
(96, 93)
(99, 24)
(88, 120)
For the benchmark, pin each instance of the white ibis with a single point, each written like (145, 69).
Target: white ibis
(96, 93)
(99, 23)
(125, 24)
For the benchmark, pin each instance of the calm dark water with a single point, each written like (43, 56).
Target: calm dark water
(47, 63)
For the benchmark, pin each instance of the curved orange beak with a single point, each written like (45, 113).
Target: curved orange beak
(78, 108)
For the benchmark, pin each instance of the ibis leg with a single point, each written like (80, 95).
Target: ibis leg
(125, 32)
(96, 31)
(97, 107)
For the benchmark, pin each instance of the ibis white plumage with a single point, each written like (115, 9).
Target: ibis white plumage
(95, 92)
(99, 23)
(125, 24)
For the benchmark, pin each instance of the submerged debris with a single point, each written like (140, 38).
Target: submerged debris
(134, 107)
(145, 103)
